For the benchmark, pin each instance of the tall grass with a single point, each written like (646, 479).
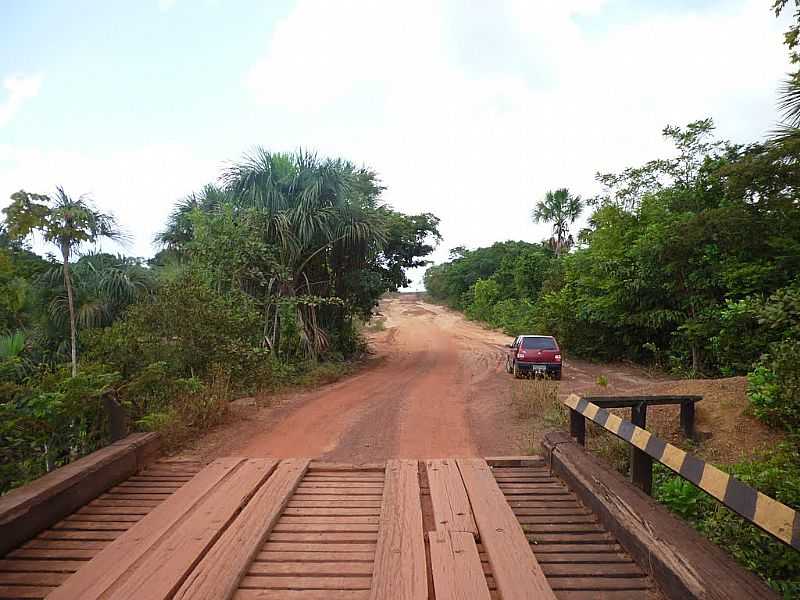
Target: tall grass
(538, 399)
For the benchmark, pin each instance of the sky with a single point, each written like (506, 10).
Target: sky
(471, 110)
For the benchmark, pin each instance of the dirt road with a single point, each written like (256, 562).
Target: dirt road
(436, 388)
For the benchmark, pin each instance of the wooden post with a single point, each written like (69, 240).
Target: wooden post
(577, 427)
(116, 419)
(641, 463)
(687, 418)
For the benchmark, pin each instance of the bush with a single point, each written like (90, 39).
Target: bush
(197, 407)
(538, 398)
(773, 387)
(189, 328)
(776, 474)
(52, 420)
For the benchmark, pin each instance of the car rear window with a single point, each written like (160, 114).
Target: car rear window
(538, 343)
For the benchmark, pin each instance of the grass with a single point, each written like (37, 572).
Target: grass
(191, 412)
(533, 398)
(375, 324)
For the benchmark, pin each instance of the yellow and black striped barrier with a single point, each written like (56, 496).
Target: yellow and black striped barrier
(767, 513)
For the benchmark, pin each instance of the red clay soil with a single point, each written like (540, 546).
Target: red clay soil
(436, 387)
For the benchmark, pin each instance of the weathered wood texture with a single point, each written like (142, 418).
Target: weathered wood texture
(451, 508)
(400, 570)
(514, 568)
(162, 547)
(37, 567)
(683, 563)
(774, 517)
(456, 566)
(321, 548)
(29, 509)
(220, 570)
(578, 556)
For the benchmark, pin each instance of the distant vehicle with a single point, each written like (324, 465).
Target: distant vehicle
(534, 355)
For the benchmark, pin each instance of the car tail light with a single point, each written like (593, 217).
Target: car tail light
(521, 355)
(558, 357)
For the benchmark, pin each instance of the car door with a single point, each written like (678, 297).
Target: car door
(512, 352)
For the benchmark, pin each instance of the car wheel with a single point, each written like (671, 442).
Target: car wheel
(517, 374)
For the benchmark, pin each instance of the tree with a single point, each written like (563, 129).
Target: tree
(561, 209)
(789, 99)
(66, 223)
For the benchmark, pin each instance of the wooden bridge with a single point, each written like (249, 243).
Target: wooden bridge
(123, 524)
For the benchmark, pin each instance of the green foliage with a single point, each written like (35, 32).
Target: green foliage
(188, 326)
(485, 294)
(52, 421)
(682, 260)
(66, 223)
(773, 386)
(776, 474)
(561, 209)
(306, 239)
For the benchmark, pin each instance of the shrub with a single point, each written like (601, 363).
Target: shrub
(773, 387)
(538, 397)
(54, 419)
(188, 327)
(776, 474)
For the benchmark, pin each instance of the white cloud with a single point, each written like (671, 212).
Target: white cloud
(18, 89)
(138, 185)
(388, 83)
(165, 5)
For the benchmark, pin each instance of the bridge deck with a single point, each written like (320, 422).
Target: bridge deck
(266, 529)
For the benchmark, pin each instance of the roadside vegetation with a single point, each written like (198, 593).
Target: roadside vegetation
(689, 263)
(260, 283)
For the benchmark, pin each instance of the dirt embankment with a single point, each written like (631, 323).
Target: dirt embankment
(436, 387)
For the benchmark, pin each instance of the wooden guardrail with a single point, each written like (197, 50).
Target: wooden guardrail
(641, 463)
(772, 516)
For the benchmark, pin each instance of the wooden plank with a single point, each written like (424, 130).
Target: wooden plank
(317, 557)
(683, 563)
(332, 512)
(303, 568)
(24, 591)
(324, 547)
(301, 595)
(158, 574)
(300, 583)
(41, 566)
(515, 569)
(28, 509)
(451, 509)
(122, 554)
(400, 564)
(327, 526)
(456, 567)
(335, 536)
(218, 573)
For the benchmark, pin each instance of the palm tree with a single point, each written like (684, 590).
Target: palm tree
(561, 209)
(66, 223)
(103, 286)
(318, 215)
(179, 229)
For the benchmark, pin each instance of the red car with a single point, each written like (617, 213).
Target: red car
(534, 355)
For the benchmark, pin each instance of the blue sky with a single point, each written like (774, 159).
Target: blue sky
(469, 110)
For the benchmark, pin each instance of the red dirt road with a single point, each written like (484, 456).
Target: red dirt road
(436, 388)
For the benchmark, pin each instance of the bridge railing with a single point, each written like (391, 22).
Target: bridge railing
(641, 463)
(773, 517)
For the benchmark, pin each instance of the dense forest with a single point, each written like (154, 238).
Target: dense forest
(689, 263)
(262, 280)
